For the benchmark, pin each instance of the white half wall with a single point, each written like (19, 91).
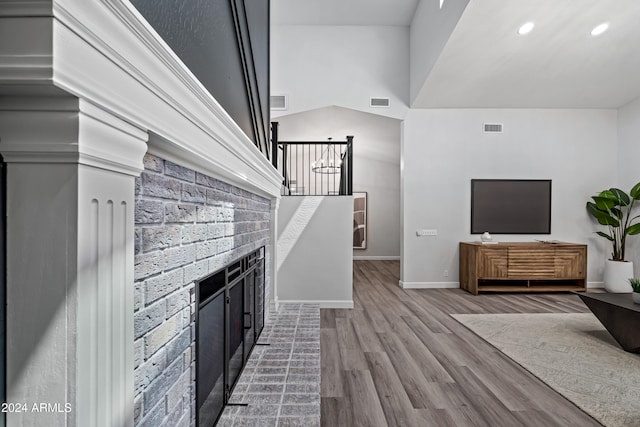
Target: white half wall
(442, 150)
(376, 167)
(319, 66)
(314, 262)
(629, 174)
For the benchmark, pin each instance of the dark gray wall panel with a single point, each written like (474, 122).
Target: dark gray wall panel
(205, 36)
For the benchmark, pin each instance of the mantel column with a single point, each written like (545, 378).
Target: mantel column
(71, 171)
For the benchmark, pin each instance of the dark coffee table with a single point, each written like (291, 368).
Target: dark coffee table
(619, 314)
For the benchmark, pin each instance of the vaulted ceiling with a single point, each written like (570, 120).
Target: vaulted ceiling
(487, 64)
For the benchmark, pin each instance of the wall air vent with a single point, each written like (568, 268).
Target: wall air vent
(493, 127)
(379, 102)
(278, 102)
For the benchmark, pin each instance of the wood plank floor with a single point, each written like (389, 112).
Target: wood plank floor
(399, 359)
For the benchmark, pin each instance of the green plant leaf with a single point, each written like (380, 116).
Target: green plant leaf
(605, 235)
(605, 203)
(616, 212)
(602, 217)
(621, 196)
(633, 229)
(635, 191)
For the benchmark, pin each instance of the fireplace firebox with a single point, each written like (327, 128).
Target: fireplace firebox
(229, 320)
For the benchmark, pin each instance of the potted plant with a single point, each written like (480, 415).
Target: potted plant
(635, 285)
(613, 208)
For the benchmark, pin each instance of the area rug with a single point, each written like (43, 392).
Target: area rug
(574, 355)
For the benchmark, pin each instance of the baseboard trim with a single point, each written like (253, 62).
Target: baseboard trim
(376, 258)
(322, 303)
(591, 285)
(428, 285)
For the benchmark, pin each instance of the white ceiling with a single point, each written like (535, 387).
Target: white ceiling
(558, 65)
(486, 64)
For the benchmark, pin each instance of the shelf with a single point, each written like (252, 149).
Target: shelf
(554, 288)
(523, 267)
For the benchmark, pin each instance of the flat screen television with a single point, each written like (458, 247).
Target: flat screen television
(511, 206)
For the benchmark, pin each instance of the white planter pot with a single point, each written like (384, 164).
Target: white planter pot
(617, 275)
(636, 297)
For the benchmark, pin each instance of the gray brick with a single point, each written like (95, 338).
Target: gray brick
(225, 244)
(205, 180)
(153, 163)
(217, 197)
(138, 296)
(160, 237)
(179, 389)
(193, 193)
(207, 213)
(178, 345)
(175, 414)
(138, 352)
(138, 409)
(217, 262)
(177, 301)
(225, 214)
(180, 172)
(162, 285)
(155, 185)
(137, 241)
(138, 186)
(160, 386)
(160, 336)
(178, 257)
(154, 417)
(229, 229)
(206, 249)
(194, 233)
(223, 186)
(195, 271)
(149, 212)
(148, 318)
(215, 231)
(178, 212)
(149, 371)
(147, 265)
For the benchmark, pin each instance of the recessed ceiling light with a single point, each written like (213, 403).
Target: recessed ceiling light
(600, 29)
(526, 28)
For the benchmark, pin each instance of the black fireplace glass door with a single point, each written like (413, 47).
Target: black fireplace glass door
(210, 366)
(259, 296)
(249, 306)
(236, 331)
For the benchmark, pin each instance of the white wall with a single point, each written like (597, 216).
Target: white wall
(320, 66)
(629, 172)
(314, 251)
(430, 29)
(376, 166)
(444, 149)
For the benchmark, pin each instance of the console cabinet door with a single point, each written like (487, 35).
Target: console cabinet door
(492, 262)
(570, 262)
(537, 262)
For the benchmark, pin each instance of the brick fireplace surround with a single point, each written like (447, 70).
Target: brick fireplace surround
(187, 225)
(126, 180)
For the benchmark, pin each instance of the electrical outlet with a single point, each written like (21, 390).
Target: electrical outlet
(445, 273)
(427, 232)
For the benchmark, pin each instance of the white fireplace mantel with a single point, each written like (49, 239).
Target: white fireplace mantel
(86, 88)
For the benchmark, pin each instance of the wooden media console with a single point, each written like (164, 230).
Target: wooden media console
(522, 267)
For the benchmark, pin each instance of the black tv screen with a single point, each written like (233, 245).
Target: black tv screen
(511, 206)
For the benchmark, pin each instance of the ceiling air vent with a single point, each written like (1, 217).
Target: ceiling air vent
(493, 127)
(379, 102)
(278, 102)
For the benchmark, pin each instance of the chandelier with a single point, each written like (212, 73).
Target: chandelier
(329, 162)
